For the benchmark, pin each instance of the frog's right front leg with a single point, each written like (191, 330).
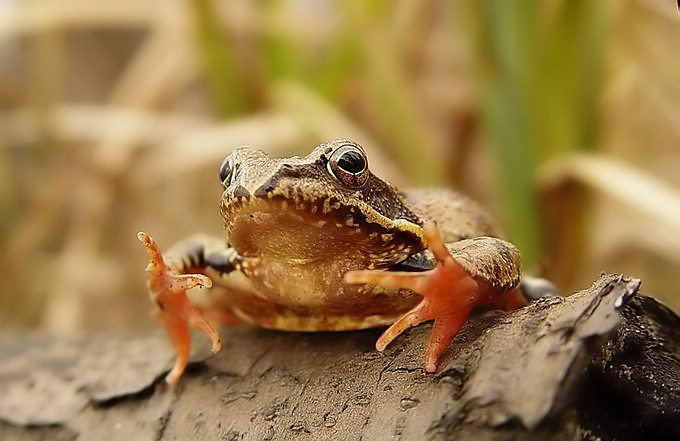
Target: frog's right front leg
(168, 282)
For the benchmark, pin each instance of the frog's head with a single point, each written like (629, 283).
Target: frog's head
(307, 207)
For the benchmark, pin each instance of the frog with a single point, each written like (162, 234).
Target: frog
(321, 243)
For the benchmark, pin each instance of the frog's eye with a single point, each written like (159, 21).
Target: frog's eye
(226, 170)
(349, 165)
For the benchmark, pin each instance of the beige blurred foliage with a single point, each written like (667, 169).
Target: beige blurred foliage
(108, 126)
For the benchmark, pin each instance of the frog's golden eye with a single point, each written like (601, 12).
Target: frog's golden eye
(349, 165)
(226, 170)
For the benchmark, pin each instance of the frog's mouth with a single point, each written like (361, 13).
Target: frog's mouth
(309, 231)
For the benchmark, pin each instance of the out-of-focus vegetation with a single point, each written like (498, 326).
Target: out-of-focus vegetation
(561, 116)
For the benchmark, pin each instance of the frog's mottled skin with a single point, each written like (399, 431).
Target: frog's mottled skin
(301, 233)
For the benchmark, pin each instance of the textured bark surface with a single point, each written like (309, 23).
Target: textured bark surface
(600, 363)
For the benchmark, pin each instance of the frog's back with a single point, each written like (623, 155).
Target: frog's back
(457, 216)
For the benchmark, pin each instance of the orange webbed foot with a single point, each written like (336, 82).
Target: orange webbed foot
(448, 291)
(167, 291)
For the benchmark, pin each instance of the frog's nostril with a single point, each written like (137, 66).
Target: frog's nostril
(289, 171)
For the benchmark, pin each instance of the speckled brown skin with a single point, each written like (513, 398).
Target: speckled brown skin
(297, 226)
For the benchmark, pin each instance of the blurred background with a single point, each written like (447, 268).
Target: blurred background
(561, 116)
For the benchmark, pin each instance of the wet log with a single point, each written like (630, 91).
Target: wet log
(601, 363)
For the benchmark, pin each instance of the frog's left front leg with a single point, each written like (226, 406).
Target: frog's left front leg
(168, 282)
(467, 273)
